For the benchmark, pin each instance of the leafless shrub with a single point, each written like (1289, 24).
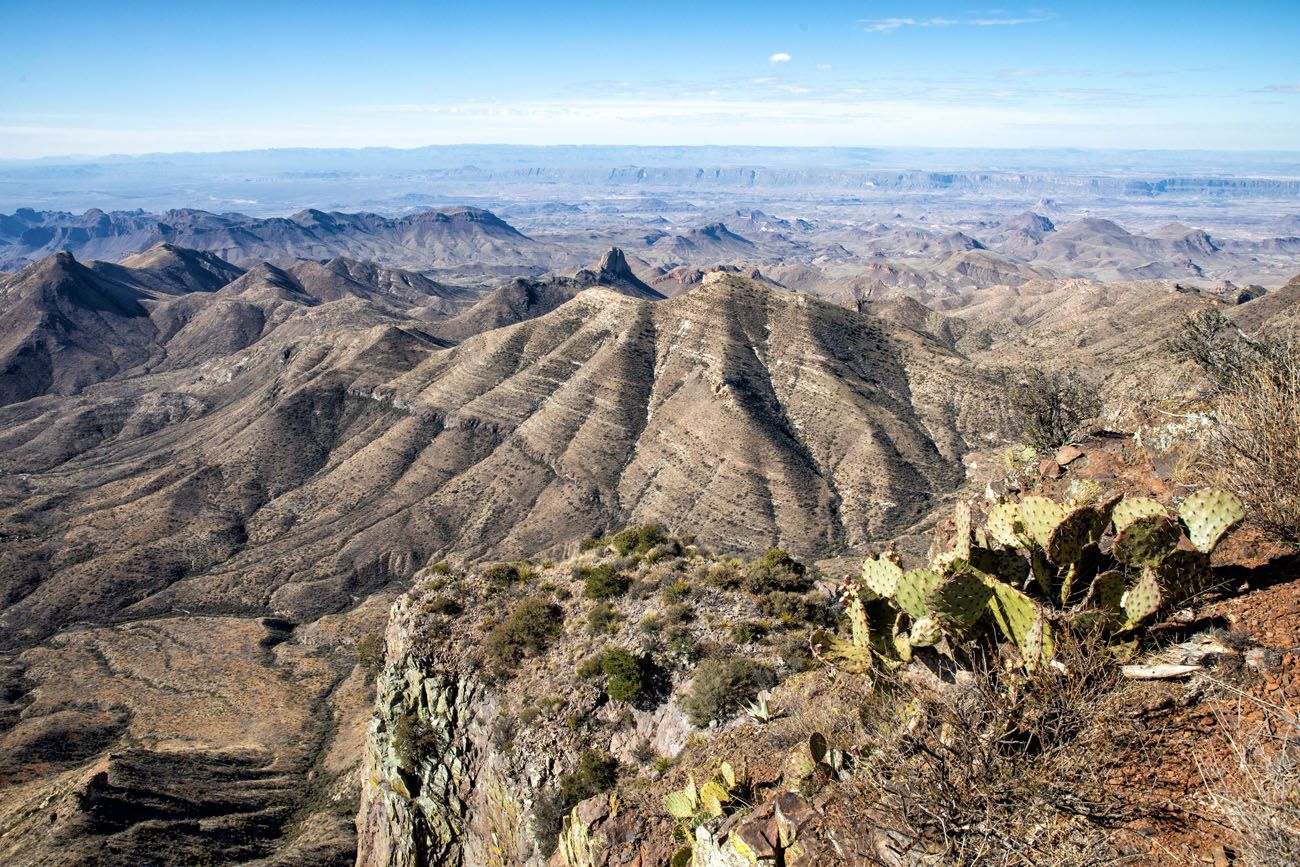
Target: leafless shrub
(1050, 406)
(1003, 770)
(1254, 448)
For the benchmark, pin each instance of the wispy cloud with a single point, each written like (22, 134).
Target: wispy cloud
(885, 25)
(1283, 88)
(779, 57)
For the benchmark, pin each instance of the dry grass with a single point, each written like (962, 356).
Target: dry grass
(1002, 770)
(1255, 448)
(1256, 788)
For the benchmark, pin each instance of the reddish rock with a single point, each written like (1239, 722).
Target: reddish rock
(1067, 455)
(1049, 469)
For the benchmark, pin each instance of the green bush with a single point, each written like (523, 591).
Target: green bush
(499, 576)
(625, 674)
(597, 771)
(603, 619)
(747, 632)
(722, 686)
(602, 582)
(529, 629)
(636, 541)
(776, 570)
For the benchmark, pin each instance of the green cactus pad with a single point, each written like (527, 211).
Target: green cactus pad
(861, 630)
(1208, 514)
(712, 797)
(1040, 516)
(1142, 599)
(1015, 615)
(1001, 524)
(1065, 542)
(680, 805)
(1107, 591)
(1147, 540)
(925, 632)
(881, 575)
(1183, 574)
(1129, 509)
(842, 654)
(1038, 647)
(912, 590)
(1006, 566)
(959, 600)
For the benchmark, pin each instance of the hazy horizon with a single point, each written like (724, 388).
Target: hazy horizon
(840, 74)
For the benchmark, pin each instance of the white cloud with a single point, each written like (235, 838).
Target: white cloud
(779, 57)
(823, 67)
(885, 25)
(1283, 88)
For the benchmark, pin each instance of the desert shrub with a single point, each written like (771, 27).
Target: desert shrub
(637, 541)
(795, 653)
(442, 567)
(776, 570)
(412, 739)
(589, 667)
(747, 631)
(1050, 406)
(602, 619)
(722, 686)
(596, 772)
(1254, 446)
(602, 582)
(499, 576)
(1258, 795)
(675, 591)
(532, 624)
(444, 604)
(1227, 356)
(370, 652)
(797, 609)
(1005, 770)
(625, 674)
(680, 644)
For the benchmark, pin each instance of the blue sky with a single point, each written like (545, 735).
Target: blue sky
(135, 77)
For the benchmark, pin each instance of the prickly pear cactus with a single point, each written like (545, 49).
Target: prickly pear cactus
(1147, 540)
(1040, 516)
(881, 575)
(1034, 566)
(1208, 514)
(914, 588)
(1129, 509)
(959, 600)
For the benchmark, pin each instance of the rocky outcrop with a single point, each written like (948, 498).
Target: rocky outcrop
(432, 790)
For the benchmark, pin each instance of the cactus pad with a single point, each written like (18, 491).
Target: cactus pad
(912, 590)
(712, 797)
(1014, 613)
(1129, 509)
(959, 600)
(1039, 516)
(925, 632)
(1183, 574)
(1107, 591)
(680, 805)
(1142, 599)
(1065, 542)
(1147, 540)
(881, 575)
(861, 630)
(1208, 514)
(1001, 524)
